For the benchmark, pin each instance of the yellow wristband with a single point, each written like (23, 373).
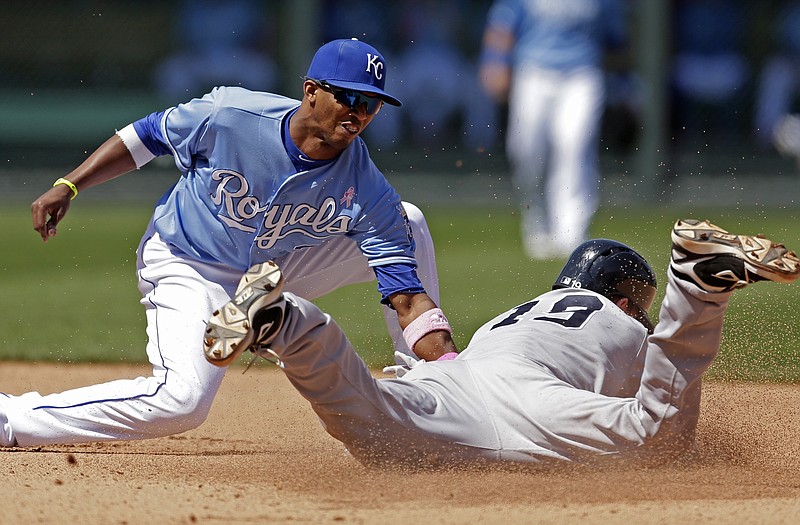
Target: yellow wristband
(68, 184)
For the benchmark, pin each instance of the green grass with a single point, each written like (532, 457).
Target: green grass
(74, 299)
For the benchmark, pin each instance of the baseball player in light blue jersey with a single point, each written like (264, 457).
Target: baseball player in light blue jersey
(544, 58)
(577, 373)
(264, 177)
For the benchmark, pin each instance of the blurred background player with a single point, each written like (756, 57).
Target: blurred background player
(778, 85)
(544, 58)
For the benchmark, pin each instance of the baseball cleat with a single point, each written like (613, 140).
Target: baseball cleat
(251, 318)
(718, 261)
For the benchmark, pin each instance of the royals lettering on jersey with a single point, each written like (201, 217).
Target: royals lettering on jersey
(241, 200)
(278, 221)
(282, 221)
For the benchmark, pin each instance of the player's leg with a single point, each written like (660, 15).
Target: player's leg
(573, 179)
(322, 365)
(338, 262)
(178, 296)
(374, 419)
(530, 100)
(707, 265)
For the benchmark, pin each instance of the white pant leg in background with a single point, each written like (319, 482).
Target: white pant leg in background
(529, 115)
(179, 295)
(554, 120)
(573, 174)
(338, 262)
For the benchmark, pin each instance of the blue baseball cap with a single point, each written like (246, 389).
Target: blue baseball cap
(351, 64)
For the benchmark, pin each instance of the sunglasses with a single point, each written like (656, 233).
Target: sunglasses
(350, 98)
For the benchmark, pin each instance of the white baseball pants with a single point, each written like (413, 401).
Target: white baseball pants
(179, 295)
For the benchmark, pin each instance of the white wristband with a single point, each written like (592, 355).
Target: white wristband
(141, 155)
(428, 322)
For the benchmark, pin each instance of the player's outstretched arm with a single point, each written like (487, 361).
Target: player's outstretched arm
(495, 63)
(436, 339)
(110, 160)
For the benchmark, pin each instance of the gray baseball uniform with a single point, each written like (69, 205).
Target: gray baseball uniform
(565, 376)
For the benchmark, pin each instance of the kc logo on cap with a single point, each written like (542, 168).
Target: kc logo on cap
(375, 64)
(352, 64)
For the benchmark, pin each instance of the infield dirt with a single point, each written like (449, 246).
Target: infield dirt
(262, 457)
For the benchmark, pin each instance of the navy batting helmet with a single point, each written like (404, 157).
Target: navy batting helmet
(612, 269)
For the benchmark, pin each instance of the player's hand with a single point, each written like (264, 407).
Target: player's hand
(48, 210)
(409, 362)
(432, 345)
(496, 81)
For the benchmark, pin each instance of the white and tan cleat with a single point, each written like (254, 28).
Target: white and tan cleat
(252, 317)
(719, 261)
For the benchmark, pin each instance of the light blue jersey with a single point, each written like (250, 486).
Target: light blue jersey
(560, 34)
(243, 199)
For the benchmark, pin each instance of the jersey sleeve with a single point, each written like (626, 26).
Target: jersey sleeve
(383, 231)
(397, 278)
(186, 130)
(384, 234)
(143, 139)
(149, 131)
(389, 248)
(183, 131)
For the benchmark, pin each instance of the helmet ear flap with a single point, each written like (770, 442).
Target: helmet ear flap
(641, 295)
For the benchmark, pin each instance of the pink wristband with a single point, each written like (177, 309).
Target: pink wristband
(449, 356)
(428, 322)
